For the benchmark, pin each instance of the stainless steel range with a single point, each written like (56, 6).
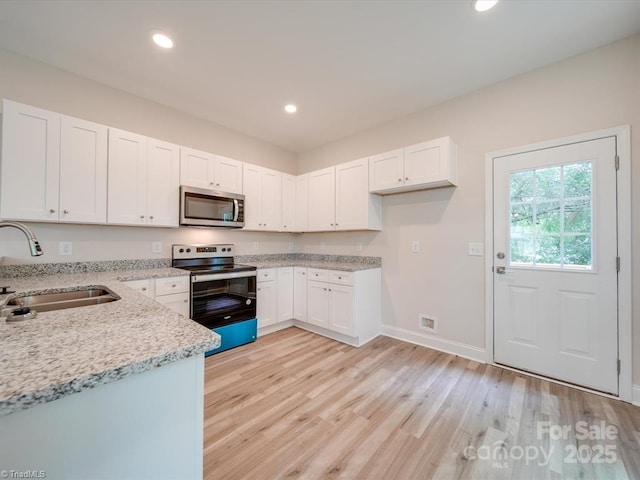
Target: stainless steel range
(223, 293)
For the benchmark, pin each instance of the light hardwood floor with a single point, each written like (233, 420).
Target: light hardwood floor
(298, 405)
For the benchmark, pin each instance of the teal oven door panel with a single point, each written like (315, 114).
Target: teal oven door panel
(234, 335)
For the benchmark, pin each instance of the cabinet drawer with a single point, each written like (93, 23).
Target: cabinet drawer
(144, 286)
(343, 278)
(267, 274)
(318, 275)
(171, 285)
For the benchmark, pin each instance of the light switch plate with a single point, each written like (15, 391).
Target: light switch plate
(476, 249)
(415, 246)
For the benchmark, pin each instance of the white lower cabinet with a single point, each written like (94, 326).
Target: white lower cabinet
(345, 303)
(285, 293)
(300, 293)
(173, 292)
(267, 297)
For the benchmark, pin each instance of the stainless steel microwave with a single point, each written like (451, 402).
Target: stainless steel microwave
(209, 208)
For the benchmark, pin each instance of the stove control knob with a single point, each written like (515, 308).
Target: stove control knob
(181, 250)
(188, 250)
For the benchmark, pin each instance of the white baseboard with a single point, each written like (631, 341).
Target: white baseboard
(274, 328)
(636, 395)
(448, 346)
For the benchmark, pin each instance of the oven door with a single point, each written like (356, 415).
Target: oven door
(219, 299)
(201, 207)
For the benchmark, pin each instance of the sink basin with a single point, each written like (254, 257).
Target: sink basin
(46, 302)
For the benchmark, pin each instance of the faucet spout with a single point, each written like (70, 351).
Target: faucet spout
(34, 245)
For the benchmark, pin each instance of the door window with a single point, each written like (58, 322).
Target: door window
(551, 217)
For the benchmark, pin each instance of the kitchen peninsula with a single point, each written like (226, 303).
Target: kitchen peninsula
(120, 382)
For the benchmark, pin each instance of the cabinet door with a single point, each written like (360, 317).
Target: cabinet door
(285, 293)
(386, 170)
(178, 302)
(302, 203)
(271, 200)
(196, 168)
(83, 171)
(352, 195)
(341, 309)
(30, 163)
(318, 303)
(251, 186)
(267, 303)
(126, 188)
(163, 183)
(426, 162)
(300, 293)
(227, 174)
(288, 203)
(322, 200)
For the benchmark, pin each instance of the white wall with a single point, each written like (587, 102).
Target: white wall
(593, 91)
(37, 84)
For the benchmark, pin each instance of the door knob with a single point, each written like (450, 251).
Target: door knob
(501, 270)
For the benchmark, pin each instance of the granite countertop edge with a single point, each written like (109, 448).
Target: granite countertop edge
(153, 336)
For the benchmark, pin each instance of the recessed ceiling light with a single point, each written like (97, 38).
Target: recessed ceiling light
(484, 5)
(162, 40)
(290, 108)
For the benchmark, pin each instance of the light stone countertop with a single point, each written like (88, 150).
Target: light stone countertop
(66, 351)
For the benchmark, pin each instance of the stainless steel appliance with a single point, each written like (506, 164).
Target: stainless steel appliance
(209, 208)
(223, 293)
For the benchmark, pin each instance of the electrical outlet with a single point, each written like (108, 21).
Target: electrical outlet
(66, 248)
(415, 246)
(359, 246)
(256, 245)
(475, 249)
(156, 247)
(427, 322)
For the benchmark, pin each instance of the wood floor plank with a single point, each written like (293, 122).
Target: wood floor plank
(296, 405)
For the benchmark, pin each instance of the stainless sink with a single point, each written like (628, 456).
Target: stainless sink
(46, 302)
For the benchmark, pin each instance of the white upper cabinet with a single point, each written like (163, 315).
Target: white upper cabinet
(339, 199)
(143, 180)
(302, 203)
(356, 208)
(205, 170)
(322, 200)
(288, 203)
(53, 167)
(262, 188)
(425, 165)
(163, 183)
(83, 171)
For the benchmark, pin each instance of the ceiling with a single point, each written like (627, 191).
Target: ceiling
(349, 65)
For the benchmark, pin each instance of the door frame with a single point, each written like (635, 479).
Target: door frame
(625, 319)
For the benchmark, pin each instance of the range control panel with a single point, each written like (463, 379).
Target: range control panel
(202, 251)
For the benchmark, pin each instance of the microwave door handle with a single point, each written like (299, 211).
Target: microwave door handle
(235, 210)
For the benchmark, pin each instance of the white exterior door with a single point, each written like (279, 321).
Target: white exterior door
(555, 252)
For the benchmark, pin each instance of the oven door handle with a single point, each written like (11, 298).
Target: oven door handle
(221, 276)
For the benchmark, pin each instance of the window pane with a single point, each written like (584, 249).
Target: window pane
(548, 218)
(548, 184)
(522, 186)
(522, 218)
(548, 251)
(577, 180)
(577, 250)
(523, 249)
(577, 216)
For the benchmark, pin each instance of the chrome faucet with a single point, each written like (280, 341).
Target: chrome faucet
(34, 246)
